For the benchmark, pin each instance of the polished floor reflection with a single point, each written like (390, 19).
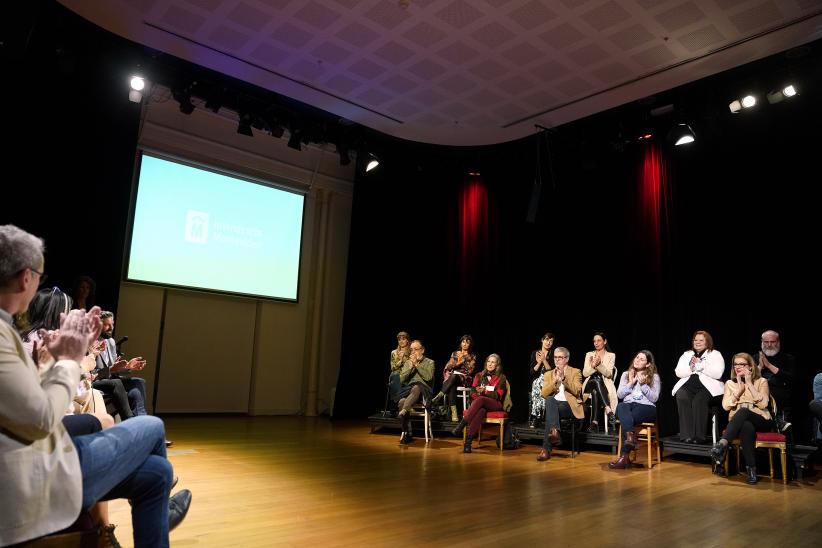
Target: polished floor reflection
(290, 481)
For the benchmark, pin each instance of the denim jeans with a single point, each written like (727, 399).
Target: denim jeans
(129, 461)
(633, 413)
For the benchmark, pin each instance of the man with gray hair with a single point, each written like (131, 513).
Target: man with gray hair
(778, 368)
(47, 476)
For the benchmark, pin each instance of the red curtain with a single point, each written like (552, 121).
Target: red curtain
(654, 204)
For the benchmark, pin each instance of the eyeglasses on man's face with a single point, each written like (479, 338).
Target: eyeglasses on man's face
(43, 276)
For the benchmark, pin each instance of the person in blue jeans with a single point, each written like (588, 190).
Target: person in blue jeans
(47, 478)
(639, 390)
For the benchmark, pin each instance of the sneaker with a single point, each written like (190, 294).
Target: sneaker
(108, 539)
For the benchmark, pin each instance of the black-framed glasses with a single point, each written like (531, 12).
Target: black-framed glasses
(560, 357)
(43, 276)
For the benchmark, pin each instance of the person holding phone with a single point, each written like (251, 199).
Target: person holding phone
(746, 399)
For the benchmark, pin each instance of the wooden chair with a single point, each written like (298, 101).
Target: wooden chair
(769, 441)
(649, 433)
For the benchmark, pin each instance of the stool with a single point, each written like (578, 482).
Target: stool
(649, 433)
(464, 393)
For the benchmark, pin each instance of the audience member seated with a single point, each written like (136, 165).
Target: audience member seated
(416, 375)
(83, 291)
(48, 477)
(815, 406)
(699, 370)
(746, 399)
(599, 369)
(562, 390)
(457, 373)
(639, 390)
(398, 356)
(82, 415)
(778, 368)
(111, 368)
(488, 395)
(542, 360)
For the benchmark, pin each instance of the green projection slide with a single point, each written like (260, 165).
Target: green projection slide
(207, 230)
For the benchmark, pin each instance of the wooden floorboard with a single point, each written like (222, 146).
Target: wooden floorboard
(288, 481)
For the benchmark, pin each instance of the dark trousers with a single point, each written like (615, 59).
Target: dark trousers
(117, 392)
(475, 415)
(815, 407)
(692, 404)
(599, 395)
(554, 410)
(449, 387)
(136, 392)
(633, 413)
(82, 424)
(744, 425)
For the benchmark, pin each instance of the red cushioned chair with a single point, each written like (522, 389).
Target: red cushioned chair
(769, 441)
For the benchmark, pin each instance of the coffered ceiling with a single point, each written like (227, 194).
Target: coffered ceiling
(463, 72)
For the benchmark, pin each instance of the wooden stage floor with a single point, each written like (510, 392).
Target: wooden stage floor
(292, 481)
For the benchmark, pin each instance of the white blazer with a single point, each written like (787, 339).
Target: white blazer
(710, 369)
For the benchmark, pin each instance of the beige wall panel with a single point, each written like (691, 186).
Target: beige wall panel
(138, 316)
(206, 353)
(278, 376)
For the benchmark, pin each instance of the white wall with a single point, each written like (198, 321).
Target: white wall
(217, 353)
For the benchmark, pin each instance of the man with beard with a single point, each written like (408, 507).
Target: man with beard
(778, 368)
(416, 375)
(109, 366)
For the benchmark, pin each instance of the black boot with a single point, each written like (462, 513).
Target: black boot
(751, 475)
(718, 455)
(467, 447)
(457, 431)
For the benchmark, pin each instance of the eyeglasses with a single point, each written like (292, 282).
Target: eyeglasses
(43, 275)
(560, 357)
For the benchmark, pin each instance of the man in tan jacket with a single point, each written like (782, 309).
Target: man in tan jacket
(47, 477)
(562, 390)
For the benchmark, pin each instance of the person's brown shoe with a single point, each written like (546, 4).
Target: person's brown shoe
(543, 455)
(554, 437)
(624, 461)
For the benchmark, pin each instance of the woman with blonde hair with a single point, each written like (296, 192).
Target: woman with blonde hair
(746, 399)
(639, 390)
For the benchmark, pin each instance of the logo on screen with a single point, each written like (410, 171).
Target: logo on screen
(196, 227)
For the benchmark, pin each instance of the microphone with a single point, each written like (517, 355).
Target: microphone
(119, 343)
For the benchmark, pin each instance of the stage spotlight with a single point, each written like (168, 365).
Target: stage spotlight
(135, 94)
(735, 106)
(682, 134)
(748, 101)
(342, 150)
(184, 98)
(373, 163)
(775, 97)
(244, 125)
(789, 90)
(276, 130)
(294, 140)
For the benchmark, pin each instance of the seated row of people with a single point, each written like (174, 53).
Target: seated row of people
(561, 392)
(50, 477)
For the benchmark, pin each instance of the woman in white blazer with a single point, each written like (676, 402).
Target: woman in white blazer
(699, 370)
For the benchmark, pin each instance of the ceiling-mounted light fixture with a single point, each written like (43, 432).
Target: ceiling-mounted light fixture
(682, 134)
(135, 94)
(749, 101)
(373, 163)
(244, 125)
